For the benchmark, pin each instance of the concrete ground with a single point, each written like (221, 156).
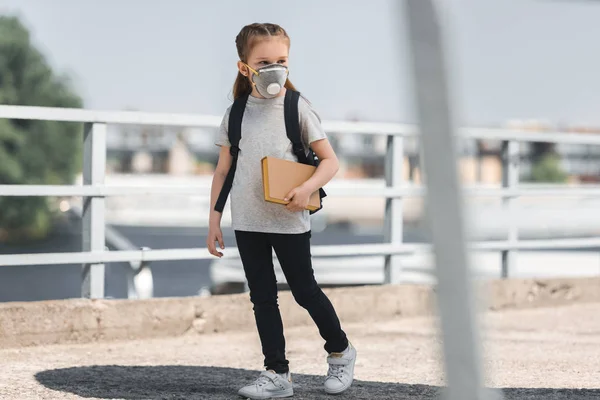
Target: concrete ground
(543, 353)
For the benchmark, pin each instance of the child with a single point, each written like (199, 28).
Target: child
(262, 226)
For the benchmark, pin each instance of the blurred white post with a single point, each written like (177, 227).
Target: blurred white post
(510, 180)
(393, 221)
(444, 203)
(143, 281)
(93, 239)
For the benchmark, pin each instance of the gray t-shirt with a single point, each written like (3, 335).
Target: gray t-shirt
(264, 134)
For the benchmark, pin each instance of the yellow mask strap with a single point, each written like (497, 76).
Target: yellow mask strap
(250, 68)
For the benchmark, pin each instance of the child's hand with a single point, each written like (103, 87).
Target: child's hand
(298, 198)
(215, 235)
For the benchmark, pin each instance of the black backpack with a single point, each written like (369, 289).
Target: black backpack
(292, 127)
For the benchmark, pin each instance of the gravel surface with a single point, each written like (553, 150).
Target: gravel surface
(548, 354)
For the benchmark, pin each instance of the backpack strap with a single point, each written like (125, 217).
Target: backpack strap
(292, 128)
(234, 132)
(292, 125)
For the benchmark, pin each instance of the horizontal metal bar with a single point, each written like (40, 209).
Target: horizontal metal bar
(339, 191)
(370, 128)
(184, 254)
(528, 136)
(100, 190)
(108, 117)
(416, 191)
(533, 192)
(381, 249)
(208, 121)
(70, 258)
(538, 244)
(375, 192)
(211, 121)
(378, 249)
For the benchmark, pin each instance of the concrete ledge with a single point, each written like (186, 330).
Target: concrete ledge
(529, 293)
(83, 321)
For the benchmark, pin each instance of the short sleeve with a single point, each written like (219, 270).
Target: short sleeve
(310, 123)
(222, 135)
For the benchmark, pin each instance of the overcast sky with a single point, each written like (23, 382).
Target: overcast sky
(512, 58)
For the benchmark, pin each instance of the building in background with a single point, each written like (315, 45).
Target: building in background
(191, 151)
(161, 150)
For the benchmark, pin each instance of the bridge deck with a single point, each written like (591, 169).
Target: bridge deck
(543, 353)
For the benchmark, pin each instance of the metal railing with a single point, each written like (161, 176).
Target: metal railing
(93, 191)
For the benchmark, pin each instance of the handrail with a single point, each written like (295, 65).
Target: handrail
(94, 191)
(107, 117)
(361, 250)
(212, 121)
(340, 191)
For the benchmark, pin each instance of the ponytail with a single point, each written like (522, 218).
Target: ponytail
(241, 87)
(290, 85)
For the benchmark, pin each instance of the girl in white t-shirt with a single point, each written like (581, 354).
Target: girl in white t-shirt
(261, 227)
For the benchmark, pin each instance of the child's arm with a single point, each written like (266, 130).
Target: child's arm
(328, 167)
(214, 219)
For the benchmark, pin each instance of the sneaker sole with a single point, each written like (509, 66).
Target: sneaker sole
(339, 391)
(281, 395)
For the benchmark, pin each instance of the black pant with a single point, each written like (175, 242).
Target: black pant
(293, 252)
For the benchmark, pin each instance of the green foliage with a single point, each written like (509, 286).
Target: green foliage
(32, 152)
(548, 170)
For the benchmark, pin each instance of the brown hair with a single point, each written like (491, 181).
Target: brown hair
(244, 41)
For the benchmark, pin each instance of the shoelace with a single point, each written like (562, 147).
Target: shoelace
(336, 371)
(262, 380)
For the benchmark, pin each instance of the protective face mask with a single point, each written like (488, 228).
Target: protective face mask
(270, 79)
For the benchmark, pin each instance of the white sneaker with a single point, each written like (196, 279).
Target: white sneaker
(269, 385)
(341, 370)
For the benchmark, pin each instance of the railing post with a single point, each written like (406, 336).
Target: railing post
(510, 180)
(143, 279)
(394, 161)
(94, 163)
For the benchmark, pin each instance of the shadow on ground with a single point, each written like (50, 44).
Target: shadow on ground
(189, 382)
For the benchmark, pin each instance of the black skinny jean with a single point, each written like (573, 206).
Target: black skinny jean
(293, 252)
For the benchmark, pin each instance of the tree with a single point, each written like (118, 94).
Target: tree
(547, 169)
(32, 152)
(546, 164)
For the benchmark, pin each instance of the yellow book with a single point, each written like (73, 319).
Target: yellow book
(281, 176)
